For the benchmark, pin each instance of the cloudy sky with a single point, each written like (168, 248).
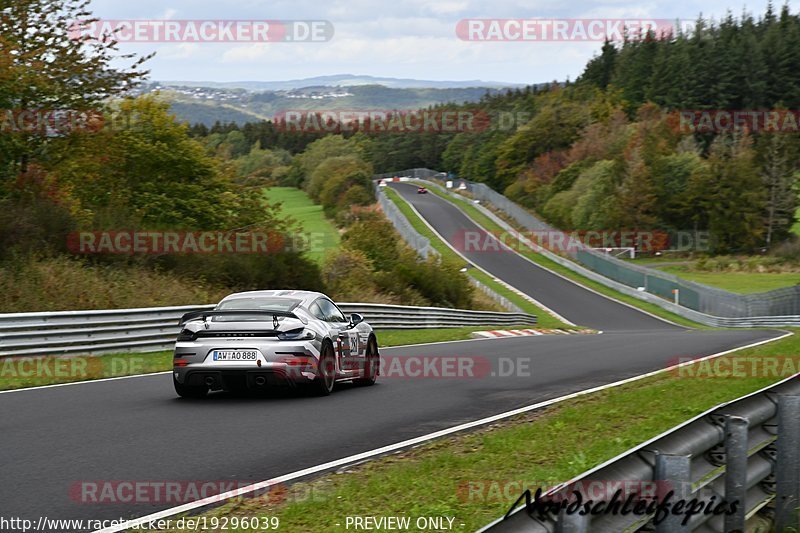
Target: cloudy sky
(395, 38)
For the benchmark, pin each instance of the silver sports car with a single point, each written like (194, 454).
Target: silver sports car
(266, 338)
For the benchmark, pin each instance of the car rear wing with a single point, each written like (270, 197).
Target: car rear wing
(204, 315)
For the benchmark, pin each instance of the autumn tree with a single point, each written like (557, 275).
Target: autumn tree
(46, 65)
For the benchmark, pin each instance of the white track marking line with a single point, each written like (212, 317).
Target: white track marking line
(404, 444)
(151, 374)
(506, 284)
(85, 382)
(514, 232)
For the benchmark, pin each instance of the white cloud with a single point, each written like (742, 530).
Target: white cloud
(402, 38)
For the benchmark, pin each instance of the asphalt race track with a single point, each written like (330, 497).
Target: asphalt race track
(576, 304)
(136, 429)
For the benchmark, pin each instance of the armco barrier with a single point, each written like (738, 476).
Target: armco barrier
(423, 246)
(697, 302)
(745, 450)
(155, 329)
(695, 296)
(680, 310)
(416, 241)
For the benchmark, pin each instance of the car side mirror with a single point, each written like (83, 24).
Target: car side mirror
(356, 319)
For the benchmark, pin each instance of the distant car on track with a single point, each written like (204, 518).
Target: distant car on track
(259, 339)
(422, 190)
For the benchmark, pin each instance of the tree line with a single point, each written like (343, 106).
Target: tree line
(604, 152)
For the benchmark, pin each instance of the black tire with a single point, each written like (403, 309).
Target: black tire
(326, 371)
(371, 364)
(190, 391)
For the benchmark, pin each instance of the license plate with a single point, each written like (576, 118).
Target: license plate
(235, 355)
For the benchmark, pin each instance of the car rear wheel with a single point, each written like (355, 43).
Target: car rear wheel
(371, 364)
(326, 371)
(189, 391)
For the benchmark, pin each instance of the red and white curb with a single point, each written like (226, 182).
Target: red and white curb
(497, 333)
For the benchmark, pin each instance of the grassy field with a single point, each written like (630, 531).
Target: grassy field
(545, 319)
(475, 214)
(475, 477)
(297, 205)
(741, 282)
(22, 372)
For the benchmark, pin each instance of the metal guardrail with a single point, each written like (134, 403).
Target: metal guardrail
(698, 297)
(155, 329)
(696, 316)
(745, 450)
(423, 246)
(697, 302)
(401, 224)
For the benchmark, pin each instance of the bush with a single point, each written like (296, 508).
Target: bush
(428, 282)
(240, 272)
(63, 283)
(348, 276)
(35, 225)
(789, 250)
(376, 239)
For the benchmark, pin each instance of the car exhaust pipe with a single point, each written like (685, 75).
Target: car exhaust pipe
(261, 381)
(210, 381)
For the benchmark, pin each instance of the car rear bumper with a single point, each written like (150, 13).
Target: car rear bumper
(217, 379)
(285, 363)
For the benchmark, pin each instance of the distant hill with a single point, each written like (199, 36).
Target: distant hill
(342, 80)
(208, 114)
(196, 104)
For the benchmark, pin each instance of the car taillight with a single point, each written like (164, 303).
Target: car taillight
(299, 359)
(187, 335)
(180, 362)
(300, 334)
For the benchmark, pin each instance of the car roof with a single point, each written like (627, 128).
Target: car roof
(306, 297)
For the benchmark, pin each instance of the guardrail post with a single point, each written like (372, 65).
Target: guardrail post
(572, 523)
(736, 428)
(787, 465)
(674, 469)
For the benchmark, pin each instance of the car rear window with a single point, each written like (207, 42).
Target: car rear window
(259, 304)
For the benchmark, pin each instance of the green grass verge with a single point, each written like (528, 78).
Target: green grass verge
(741, 282)
(545, 319)
(476, 477)
(297, 205)
(475, 214)
(22, 372)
